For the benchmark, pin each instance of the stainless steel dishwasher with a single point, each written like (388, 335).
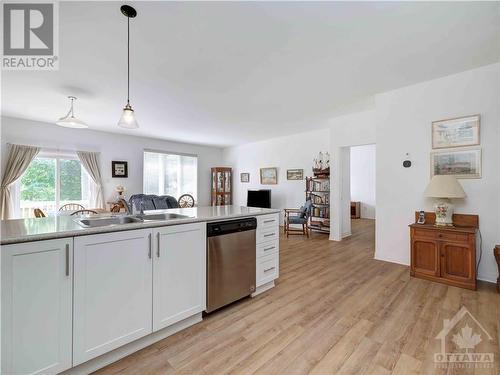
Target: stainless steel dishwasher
(230, 261)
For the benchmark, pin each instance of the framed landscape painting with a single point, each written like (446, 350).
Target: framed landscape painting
(459, 163)
(456, 132)
(269, 176)
(294, 174)
(245, 177)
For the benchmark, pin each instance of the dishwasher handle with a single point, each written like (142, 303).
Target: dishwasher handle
(231, 226)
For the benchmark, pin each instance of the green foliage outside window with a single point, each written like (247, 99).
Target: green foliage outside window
(39, 181)
(71, 180)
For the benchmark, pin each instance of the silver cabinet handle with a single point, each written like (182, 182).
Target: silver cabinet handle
(150, 245)
(269, 235)
(158, 250)
(67, 259)
(269, 221)
(269, 248)
(269, 269)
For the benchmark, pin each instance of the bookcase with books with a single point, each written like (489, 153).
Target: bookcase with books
(318, 191)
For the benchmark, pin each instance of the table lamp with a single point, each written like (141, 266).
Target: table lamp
(444, 187)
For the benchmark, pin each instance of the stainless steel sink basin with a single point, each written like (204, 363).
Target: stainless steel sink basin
(107, 221)
(162, 216)
(92, 222)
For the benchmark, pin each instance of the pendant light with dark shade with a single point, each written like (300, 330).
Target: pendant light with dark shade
(70, 121)
(128, 120)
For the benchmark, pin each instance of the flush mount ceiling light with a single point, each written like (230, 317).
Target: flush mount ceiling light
(70, 121)
(128, 120)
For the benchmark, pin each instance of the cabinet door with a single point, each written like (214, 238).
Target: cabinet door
(457, 262)
(36, 307)
(179, 273)
(112, 291)
(425, 256)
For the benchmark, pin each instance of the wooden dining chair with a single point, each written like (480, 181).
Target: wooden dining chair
(116, 208)
(71, 207)
(84, 212)
(38, 213)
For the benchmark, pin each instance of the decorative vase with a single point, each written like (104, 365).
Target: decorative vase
(444, 212)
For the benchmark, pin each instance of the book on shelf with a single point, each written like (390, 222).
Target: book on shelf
(320, 212)
(322, 185)
(320, 199)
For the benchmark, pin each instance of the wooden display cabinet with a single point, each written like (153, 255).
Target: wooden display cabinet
(222, 189)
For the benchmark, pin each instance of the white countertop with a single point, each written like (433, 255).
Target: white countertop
(25, 230)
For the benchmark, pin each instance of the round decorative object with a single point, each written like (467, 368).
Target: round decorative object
(128, 11)
(186, 200)
(407, 164)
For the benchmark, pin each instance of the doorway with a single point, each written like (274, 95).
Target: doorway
(362, 207)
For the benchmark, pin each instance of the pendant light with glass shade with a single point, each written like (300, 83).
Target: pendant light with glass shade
(70, 121)
(128, 120)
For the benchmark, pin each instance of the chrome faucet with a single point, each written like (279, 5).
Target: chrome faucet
(130, 207)
(141, 208)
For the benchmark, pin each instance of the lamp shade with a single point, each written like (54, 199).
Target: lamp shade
(128, 120)
(444, 186)
(71, 122)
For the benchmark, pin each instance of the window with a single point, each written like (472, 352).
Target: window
(170, 174)
(52, 181)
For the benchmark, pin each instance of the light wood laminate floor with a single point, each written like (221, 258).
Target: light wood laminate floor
(335, 310)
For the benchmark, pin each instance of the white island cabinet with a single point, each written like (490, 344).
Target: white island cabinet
(112, 291)
(267, 267)
(179, 269)
(36, 307)
(76, 304)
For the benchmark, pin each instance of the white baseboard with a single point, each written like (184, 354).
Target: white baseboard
(123, 351)
(488, 279)
(263, 288)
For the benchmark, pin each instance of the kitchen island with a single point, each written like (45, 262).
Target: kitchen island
(75, 298)
(36, 229)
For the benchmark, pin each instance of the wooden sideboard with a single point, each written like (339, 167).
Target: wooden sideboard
(355, 210)
(445, 254)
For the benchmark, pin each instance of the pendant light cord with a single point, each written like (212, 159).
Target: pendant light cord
(128, 60)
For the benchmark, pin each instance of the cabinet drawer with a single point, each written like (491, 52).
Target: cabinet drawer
(267, 234)
(267, 248)
(425, 233)
(451, 236)
(267, 221)
(267, 269)
(441, 235)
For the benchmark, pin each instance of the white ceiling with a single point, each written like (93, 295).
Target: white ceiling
(226, 73)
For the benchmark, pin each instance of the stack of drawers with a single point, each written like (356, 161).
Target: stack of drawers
(267, 249)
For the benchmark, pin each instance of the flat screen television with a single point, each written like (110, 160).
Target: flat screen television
(259, 198)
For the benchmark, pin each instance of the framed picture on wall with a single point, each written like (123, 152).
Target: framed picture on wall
(456, 132)
(459, 163)
(245, 177)
(294, 174)
(269, 176)
(119, 169)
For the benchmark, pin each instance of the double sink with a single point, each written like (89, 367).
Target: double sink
(93, 222)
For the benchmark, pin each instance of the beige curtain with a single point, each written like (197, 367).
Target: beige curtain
(90, 161)
(18, 160)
